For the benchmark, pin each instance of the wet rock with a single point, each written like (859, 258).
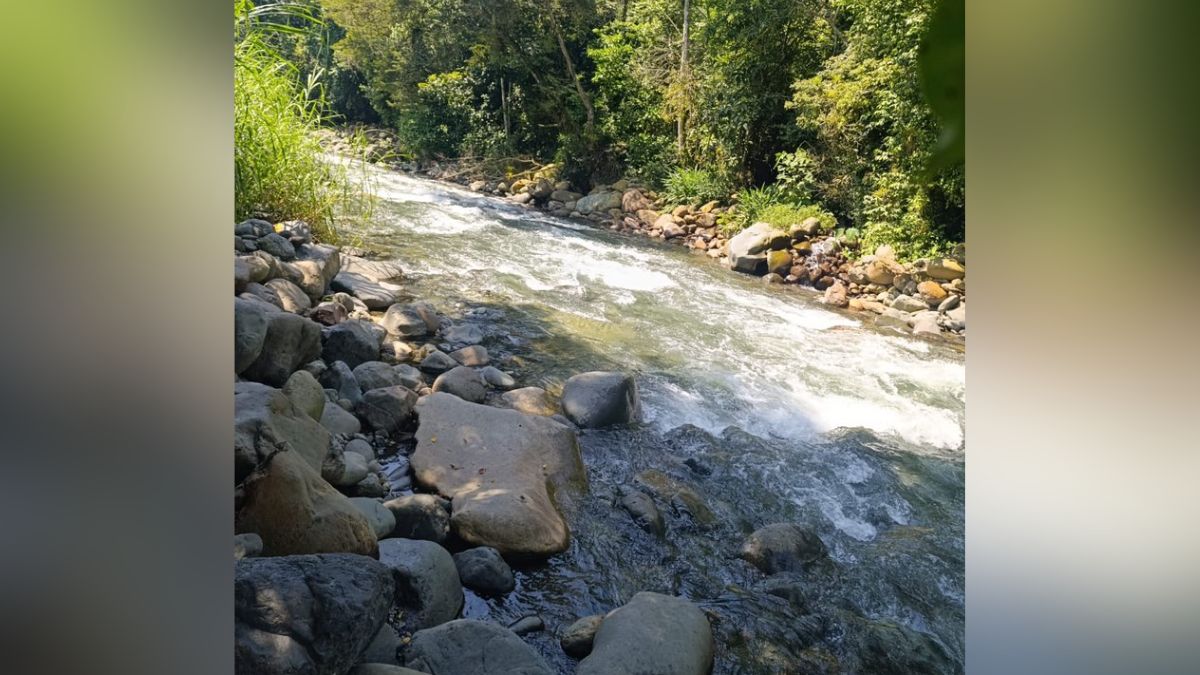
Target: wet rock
(530, 400)
(294, 510)
(249, 333)
(306, 393)
(639, 505)
(779, 262)
(475, 647)
(891, 649)
(576, 640)
(631, 639)
(782, 547)
(473, 355)
(266, 421)
(497, 378)
(464, 334)
(483, 570)
(437, 362)
(375, 375)
(427, 586)
(381, 518)
(372, 293)
(495, 465)
(463, 382)
(419, 516)
(353, 342)
(290, 341)
(892, 318)
(387, 408)
(681, 496)
(600, 399)
(772, 278)
(247, 545)
(307, 613)
(527, 624)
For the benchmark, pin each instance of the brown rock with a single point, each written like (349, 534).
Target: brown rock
(931, 292)
(836, 295)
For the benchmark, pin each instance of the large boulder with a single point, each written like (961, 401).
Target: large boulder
(530, 400)
(465, 383)
(290, 342)
(266, 421)
(306, 393)
(882, 270)
(381, 518)
(541, 189)
(374, 270)
(427, 586)
(653, 633)
(600, 202)
(339, 378)
(291, 297)
(249, 332)
(277, 246)
(419, 516)
(483, 570)
(747, 249)
(353, 342)
(307, 613)
(376, 374)
(599, 399)
(499, 468)
(405, 321)
(328, 261)
(337, 420)
(942, 269)
(467, 646)
(782, 547)
(387, 408)
(294, 510)
(633, 201)
(373, 294)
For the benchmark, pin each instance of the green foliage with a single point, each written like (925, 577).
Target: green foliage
(693, 186)
(784, 216)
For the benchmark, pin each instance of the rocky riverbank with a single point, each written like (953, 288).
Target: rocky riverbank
(925, 297)
(342, 566)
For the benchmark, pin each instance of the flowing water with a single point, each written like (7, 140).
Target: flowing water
(760, 406)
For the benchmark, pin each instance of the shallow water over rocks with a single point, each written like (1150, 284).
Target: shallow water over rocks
(760, 406)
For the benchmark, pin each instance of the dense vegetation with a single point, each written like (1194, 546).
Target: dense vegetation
(819, 104)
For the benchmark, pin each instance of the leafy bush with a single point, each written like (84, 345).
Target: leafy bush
(693, 186)
(784, 216)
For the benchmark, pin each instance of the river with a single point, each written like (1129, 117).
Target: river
(766, 404)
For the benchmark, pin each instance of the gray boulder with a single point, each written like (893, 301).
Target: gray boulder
(747, 249)
(387, 408)
(427, 586)
(405, 321)
(337, 420)
(530, 400)
(384, 648)
(577, 639)
(376, 374)
(329, 313)
(437, 362)
(341, 380)
(463, 382)
(253, 227)
(354, 342)
(500, 481)
(782, 547)
(266, 421)
(472, 355)
(409, 376)
(497, 378)
(249, 333)
(905, 303)
(306, 393)
(483, 570)
(375, 270)
(247, 545)
(292, 297)
(307, 613)
(600, 399)
(467, 646)
(419, 516)
(277, 246)
(373, 294)
(463, 334)
(290, 342)
(653, 633)
(345, 470)
(599, 202)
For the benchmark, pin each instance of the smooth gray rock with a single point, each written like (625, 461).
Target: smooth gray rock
(527, 624)
(747, 249)
(384, 648)
(337, 420)
(463, 382)
(483, 570)
(387, 408)
(247, 545)
(419, 516)
(307, 613)
(372, 293)
(463, 334)
(437, 362)
(376, 374)
(471, 647)
(329, 313)
(599, 202)
(375, 270)
(340, 378)
(905, 303)
(645, 513)
(353, 470)
(782, 547)
(404, 321)
(254, 227)
(530, 400)
(291, 297)
(653, 633)
(306, 393)
(500, 481)
(600, 399)
(354, 342)
(361, 447)
(380, 517)
(409, 376)
(427, 586)
(277, 246)
(290, 342)
(249, 333)
(497, 378)
(472, 355)
(266, 421)
(576, 640)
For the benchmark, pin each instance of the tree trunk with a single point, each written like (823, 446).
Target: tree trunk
(683, 74)
(624, 10)
(584, 98)
(504, 108)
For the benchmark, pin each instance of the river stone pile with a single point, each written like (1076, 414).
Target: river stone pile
(328, 378)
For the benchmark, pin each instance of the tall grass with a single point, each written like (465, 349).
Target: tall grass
(279, 169)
